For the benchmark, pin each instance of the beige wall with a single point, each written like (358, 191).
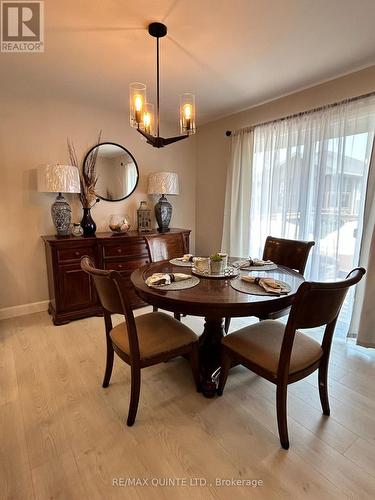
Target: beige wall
(213, 146)
(34, 133)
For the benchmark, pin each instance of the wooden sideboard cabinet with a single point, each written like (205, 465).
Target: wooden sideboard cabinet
(71, 291)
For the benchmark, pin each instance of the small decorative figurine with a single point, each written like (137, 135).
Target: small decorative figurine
(77, 229)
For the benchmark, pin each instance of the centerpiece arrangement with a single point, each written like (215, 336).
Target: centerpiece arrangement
(217, 263)
(215, 266)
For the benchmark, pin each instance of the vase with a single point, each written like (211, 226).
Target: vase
(216, 267)
(87, 223)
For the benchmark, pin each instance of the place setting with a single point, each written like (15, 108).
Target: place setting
(171, 281)
(260, 285)
(184, 261)
(251, 264)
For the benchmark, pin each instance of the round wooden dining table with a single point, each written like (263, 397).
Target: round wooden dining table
(213, 299)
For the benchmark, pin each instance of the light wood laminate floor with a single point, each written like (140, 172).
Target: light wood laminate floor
(63, 436)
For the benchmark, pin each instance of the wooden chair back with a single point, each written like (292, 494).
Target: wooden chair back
(111, 289)
(165, 246)
(289, 253)
(316, 304)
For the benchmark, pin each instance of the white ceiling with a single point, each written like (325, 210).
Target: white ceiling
(231, 54)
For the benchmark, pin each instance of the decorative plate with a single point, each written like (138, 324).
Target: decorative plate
(229, 272)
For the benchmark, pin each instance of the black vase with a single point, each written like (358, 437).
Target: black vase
(87, 223)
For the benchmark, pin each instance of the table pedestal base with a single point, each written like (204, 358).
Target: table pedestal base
(209, 355)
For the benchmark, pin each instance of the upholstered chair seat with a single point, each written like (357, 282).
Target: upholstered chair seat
(157, 333)
(261, 344)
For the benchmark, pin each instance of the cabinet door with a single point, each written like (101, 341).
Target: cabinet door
(76, 289)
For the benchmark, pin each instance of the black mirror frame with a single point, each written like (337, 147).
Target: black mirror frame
(129, 153)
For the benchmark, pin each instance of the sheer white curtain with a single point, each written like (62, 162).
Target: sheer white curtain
(308, 181)
(237, 197)
(363, 318)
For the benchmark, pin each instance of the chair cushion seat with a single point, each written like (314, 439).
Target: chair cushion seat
(157, 333)
(261, 344)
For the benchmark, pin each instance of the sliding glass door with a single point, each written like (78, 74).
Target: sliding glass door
(309, 178)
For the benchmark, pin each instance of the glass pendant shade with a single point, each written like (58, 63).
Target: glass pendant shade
(187, 114)
(137, 95)
(148, 119)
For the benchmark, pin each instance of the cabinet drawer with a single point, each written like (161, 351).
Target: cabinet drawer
(65, 254)
(137, 247)
(126, 266)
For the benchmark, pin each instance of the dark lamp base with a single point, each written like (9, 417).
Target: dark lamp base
(163, 214)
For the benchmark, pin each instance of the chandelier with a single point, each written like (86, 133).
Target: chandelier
(142, 113)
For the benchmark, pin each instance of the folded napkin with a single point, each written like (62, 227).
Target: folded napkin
(268, 284)
(161, 279)
(254, 262)
(188, 257)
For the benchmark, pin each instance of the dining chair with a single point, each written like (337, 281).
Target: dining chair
(166, 247)
(140, 342)
(283, 354)
(289, 253)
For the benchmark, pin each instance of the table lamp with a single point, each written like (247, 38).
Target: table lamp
(163, 183)
(59, 179)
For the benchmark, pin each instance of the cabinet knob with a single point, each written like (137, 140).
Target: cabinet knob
(119, 250)
(77, 254)
(119, 266)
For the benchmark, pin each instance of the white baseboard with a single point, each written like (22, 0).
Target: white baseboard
(21, 310)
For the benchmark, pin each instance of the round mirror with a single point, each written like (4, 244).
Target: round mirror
(116, 171)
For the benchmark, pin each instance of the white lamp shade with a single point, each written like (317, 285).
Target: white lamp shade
(58, 179)
(163, 183)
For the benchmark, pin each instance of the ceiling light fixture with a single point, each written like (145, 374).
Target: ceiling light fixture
(142, 113)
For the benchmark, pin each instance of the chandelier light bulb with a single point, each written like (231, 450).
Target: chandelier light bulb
(138, 104)
(137, 96)
(187, 114)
